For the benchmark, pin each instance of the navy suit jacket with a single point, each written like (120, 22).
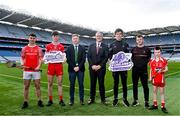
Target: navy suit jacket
(81, 58)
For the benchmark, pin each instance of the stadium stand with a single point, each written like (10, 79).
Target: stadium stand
(8, 53)
(12, 31)
(15, 27)
(4, 32)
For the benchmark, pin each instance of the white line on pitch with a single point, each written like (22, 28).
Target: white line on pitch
(108, 91)
(5, 75)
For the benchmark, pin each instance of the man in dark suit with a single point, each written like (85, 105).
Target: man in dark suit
(76, 57)
(97, 58)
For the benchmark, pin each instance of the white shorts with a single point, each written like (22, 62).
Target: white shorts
(31, 75)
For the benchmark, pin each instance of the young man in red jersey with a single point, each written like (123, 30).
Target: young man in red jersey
(31, 59)
(158, 66)
(55, 69)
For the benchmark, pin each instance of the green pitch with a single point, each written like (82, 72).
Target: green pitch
(11, 99)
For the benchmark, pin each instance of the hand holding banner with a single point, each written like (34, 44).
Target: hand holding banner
(54, 57)
(121, 62)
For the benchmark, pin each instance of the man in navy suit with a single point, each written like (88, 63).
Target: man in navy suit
(76, 57)
(97, 58)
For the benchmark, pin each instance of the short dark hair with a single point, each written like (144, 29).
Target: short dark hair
(54, 33)
(157, 48)
(32, 34)
(118, 30)
(139, 36)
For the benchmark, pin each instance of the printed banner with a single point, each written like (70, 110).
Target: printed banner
(54, 57)
(121, 62)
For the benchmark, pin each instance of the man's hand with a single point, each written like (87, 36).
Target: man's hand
(165, 69)
(93, 67)
(37, 68)
(65, 59)
(150, 79)
(98, 67)
(76, 69)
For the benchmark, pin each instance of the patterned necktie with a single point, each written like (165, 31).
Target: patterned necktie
(97, 48)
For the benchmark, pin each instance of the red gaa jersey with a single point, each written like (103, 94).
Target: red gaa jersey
(155, 66)
(31, 56)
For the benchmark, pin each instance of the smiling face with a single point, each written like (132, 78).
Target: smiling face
(157, 53)
(32, 40)
(55, 38)
(99, 36)
(75, 39)
(118, 36)
(139, 41)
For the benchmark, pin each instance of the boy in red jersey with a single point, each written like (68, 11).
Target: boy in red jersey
(55, 69)
(158, 66)
(31, 59)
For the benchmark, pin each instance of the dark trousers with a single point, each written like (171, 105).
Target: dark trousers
(94, 75)
(123, 81)
(143, 75)
(72, 79)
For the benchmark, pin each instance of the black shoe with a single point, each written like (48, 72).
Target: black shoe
(49, 103)
(164, 110)
(71, 103)
(61, 103)
(90, 101)
(82, 102)
(115, 102)
(40, 103)
(135, 103)
(104, 102)
(125, 102)
(25, 105)
(146, 104)
(153, 107)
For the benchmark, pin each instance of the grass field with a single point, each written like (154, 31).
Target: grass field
(11, 99)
